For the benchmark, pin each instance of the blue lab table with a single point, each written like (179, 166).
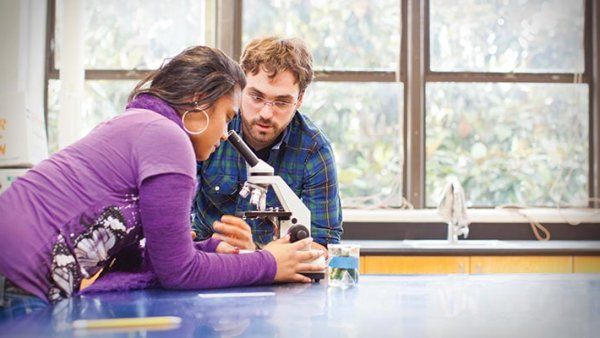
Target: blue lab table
(380, 306)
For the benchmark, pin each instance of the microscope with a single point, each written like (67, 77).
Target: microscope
(292, 218)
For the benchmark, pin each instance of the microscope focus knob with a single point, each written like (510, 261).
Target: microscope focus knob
(297, 232)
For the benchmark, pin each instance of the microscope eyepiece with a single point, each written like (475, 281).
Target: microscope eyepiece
(242, 148)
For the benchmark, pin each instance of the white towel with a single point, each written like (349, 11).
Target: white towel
(452, 207)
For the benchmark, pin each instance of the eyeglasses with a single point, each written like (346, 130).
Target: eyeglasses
(259, 102)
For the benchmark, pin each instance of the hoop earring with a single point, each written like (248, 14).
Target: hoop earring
(197, 132)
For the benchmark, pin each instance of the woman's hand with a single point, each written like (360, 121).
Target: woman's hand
(290, 260)
(317, 246)
(234, 231)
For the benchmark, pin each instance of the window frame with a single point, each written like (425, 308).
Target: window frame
(52, 73)
(415, 72)
(397, 76)
(522, 77)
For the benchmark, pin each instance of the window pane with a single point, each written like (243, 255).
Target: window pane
(343, 35)
(103, 100)
(542, 36)
(136, 34)
(52, 120)
(508, 143)
(363, 122)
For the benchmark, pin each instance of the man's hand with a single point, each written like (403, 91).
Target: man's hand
(291, 260)
(225, 248)
(235, 232)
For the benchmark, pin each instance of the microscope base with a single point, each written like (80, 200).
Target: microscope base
(315, 276)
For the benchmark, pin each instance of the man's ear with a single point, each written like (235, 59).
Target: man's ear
(299, 102)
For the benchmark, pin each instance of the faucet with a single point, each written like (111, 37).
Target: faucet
(452, 208)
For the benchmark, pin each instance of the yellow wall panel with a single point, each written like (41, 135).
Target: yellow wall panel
(586, 264)
(521, 264)
(362, 265)
(415, 264)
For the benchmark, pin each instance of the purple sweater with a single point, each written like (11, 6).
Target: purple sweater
(131, 178)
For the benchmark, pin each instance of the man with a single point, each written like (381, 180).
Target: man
(278, 71)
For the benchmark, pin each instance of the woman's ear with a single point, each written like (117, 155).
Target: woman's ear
(198, 97)
(206, 107)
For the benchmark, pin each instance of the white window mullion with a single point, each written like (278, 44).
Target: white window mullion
(72, 72)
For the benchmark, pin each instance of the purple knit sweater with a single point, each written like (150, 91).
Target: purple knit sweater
(182, 267)
(133, 177)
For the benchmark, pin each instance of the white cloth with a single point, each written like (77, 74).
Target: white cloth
(452, 207)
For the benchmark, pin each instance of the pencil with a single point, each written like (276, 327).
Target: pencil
(126, 322)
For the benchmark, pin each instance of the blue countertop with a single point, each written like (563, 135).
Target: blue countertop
(379, 306)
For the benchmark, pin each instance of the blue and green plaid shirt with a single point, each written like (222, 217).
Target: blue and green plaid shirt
(303, 158)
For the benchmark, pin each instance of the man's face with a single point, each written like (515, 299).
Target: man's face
(268, 106)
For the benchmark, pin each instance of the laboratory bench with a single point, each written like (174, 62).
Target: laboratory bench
(477, 256)
(513, 305)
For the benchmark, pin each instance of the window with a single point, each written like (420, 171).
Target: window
(499, 93)
(356, 98)
(412, 92)
(362, 121)
(535, 154)
(123, 40)
(507, 107)
(535, 36)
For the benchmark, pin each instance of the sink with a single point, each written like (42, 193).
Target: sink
(442, 243)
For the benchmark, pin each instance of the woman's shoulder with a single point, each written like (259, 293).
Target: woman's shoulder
(141, 123)
(133, 121)
(162, 145)
(144, 117)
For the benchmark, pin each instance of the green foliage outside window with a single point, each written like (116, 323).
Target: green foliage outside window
(508, 143)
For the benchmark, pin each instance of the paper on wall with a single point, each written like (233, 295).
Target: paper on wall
(7, 176)
(22, 133)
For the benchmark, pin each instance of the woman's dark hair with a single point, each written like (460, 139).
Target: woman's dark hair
(199, 72)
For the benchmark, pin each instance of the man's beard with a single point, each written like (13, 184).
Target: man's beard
(263, 136)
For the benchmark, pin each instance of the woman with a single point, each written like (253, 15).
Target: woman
(133, 178)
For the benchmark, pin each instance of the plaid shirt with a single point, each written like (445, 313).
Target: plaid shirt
(304, 160)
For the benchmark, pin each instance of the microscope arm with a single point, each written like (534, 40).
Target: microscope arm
(261, 174)
(288, 199)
